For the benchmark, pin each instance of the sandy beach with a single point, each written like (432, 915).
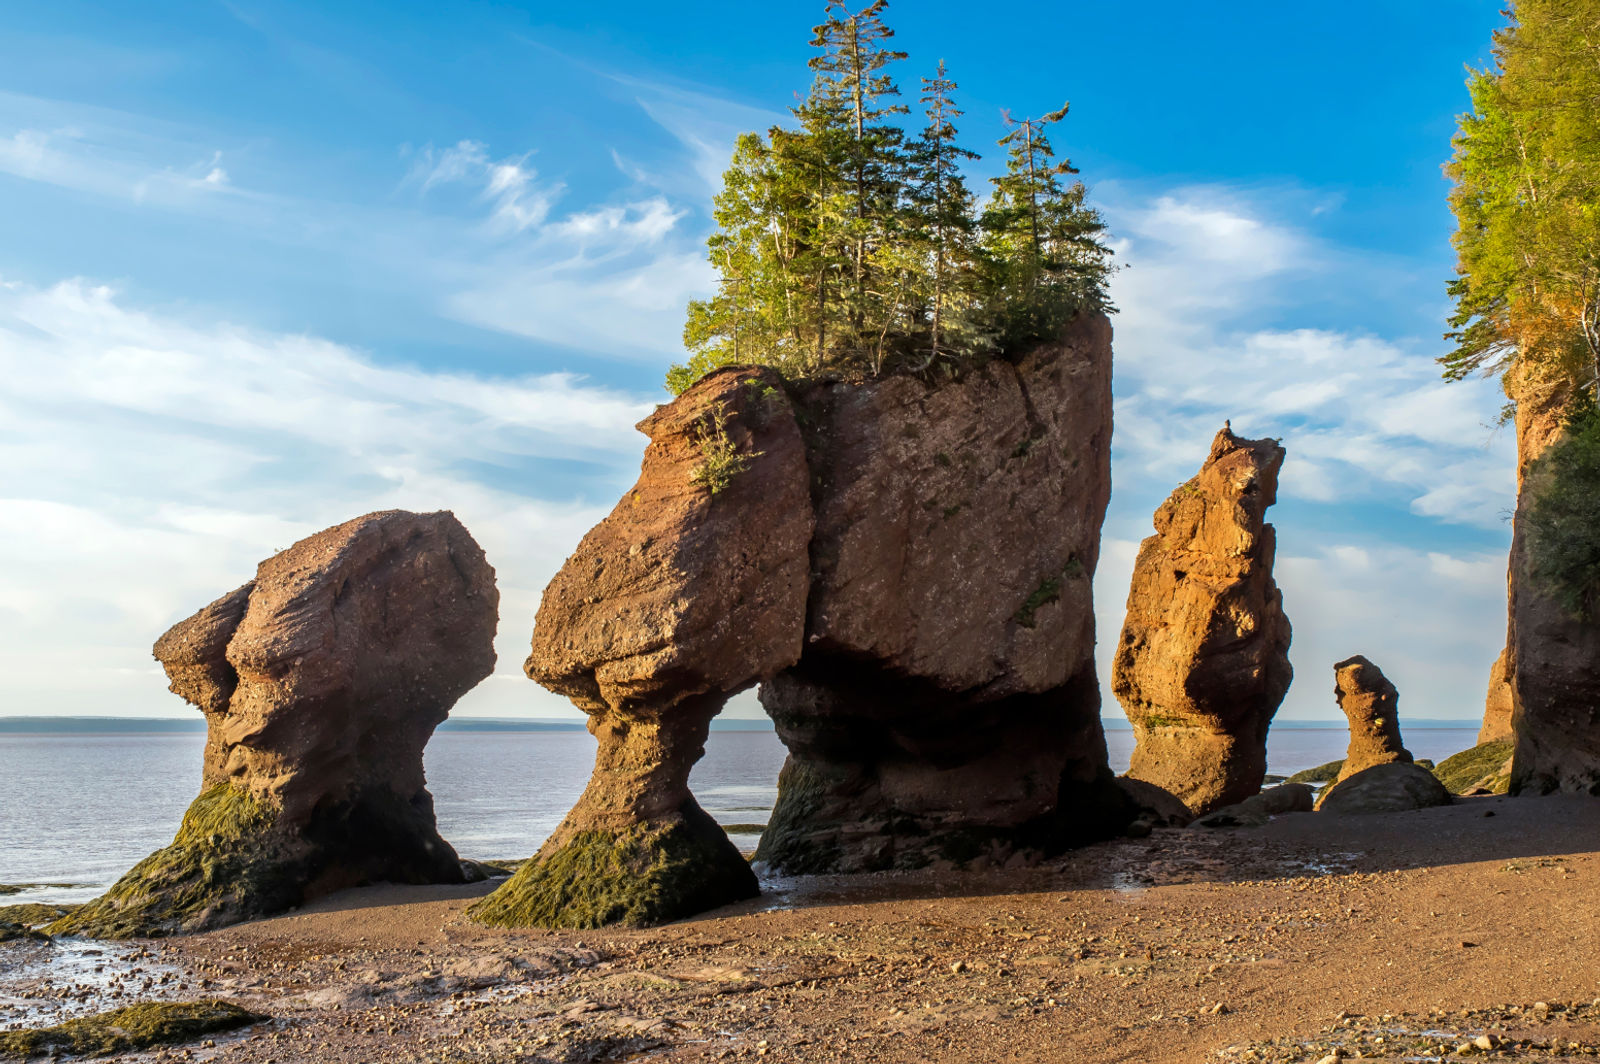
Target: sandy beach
(1397, 937)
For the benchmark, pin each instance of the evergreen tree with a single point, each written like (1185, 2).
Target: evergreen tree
(942, 209)
(859, 162)
(1045, 257)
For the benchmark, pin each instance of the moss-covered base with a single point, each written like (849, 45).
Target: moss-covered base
(646, 876)
(1321, 774)
(34, 913)
(232, 860)
(1479, 766)
(133, 1028)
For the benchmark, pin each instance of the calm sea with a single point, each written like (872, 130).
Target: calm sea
(82, 807)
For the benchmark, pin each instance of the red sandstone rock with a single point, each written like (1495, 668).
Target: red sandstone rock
(1497, 704)
(1370, 703)
(1203, 659)
(680, 598)
(946, 707)
(321, 681)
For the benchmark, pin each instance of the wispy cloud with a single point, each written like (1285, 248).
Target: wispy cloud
(155, 460)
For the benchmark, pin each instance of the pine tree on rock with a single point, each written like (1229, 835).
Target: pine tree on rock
(1046, 258)
(941, 207)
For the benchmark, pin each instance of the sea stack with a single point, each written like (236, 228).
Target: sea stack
(321, 681)
(694, 588)
(946, 709)
(1369, 702)
(1203, 661)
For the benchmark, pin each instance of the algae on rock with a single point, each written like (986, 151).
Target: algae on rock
(637, 878)
(1486, 766)
(128, 1029)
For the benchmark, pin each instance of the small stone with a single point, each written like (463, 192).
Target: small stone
(1468, 945)
(958, 967)
(1485, 1041)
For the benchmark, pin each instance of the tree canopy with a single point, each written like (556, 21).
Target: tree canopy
(1527, 201)
(848, 243)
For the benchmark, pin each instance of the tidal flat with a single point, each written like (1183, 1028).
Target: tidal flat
(1400, 937)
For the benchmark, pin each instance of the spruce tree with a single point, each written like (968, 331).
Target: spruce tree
(1045, 257)
(941, 208)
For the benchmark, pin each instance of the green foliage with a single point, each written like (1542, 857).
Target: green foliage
(1459, 772)
(34, 914)
(845, 245)
(1321, 774)
(1527, 201)
(720, 457)
(639, 878)
(1049, 590)
(129, 1029)
(1563, 521)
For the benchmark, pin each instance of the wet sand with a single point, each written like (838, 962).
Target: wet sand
(1402, 937)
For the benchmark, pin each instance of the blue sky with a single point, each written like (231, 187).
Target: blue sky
(266, 266)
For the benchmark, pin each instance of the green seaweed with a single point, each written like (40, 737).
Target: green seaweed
(223, 859)
(34, 913)
(134, 1027)
(1321, 774)
(1459, 772)
(18, 888)
(790, 842)
(641, 877)
(744, 829)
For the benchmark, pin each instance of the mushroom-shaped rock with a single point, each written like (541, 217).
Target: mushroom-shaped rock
(693, 589)
(946, 708)
(321, 681)
(1394, 787)
(1369, 702)
(1204, 656)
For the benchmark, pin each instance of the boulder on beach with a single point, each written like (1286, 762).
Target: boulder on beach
(1259, 808)
(1484, 769)
(1394, 787)
(1157, 806)
(693, 589)
(1203, 661)
(321, 681)
(1370, 703)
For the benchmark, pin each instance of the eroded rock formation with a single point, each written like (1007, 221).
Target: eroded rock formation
(321, 680)
(1553, 657)
(1370, 703)
(946, 707)
(693, 589)
(1497, 704)
(1204, 656)
(905, 567)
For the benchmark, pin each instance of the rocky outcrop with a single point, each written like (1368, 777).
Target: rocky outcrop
(693, 589)
(1553, 656)
(946, 709)
(1370, 703)
(1395, 787)
(1157, 807)
(321, 680)
(1257, 809)
(1497, 704)
(1484, 769)
(905, 568)
(1203, 660)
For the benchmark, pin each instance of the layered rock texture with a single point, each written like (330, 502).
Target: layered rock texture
(904, 566)
(1371, 705)
(693, 589)
(1552, 657)
(1203, 660)
(321, 680)
(946, 707)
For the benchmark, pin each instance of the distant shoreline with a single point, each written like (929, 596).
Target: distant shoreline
(41, 725)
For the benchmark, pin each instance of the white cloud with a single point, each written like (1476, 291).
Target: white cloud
(153, 461)
(517, 200)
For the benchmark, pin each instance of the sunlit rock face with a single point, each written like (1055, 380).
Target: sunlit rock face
(321, 681)
(1203, 659)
